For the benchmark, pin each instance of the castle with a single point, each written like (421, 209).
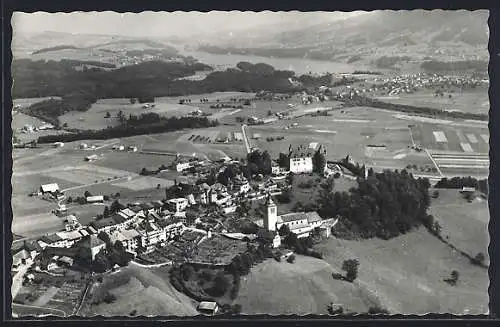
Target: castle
(300, 160)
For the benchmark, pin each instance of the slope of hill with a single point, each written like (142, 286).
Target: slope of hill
(305, 287)
(453, 34)
(146, 291)
(407, 273)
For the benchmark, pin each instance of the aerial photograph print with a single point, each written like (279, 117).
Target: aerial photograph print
(238, 163)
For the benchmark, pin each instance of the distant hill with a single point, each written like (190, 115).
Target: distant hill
(24, 45)
(456, 35)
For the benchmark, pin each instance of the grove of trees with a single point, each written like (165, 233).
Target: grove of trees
(384, 205)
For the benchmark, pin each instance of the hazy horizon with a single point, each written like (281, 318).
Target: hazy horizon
(159, 24)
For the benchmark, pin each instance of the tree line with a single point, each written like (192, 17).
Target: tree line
(144, 124)
(460, 182)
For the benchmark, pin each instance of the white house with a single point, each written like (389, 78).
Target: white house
(95, 199)
(49, 188)
(178, 204)
(91, 157)
(208, 308)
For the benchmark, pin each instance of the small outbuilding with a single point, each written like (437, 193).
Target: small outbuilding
(208, 308)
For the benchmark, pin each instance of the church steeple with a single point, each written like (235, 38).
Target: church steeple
(271, 217)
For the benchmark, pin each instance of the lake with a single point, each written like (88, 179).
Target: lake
(299, 66)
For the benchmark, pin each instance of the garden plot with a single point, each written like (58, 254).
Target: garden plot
(144, 183)
(218, 249)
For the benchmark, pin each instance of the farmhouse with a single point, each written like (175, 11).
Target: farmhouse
(52, 240)
(49, 188)
(208, 308)
(300, 223)
(95, 199)
(91, 157)
(70, 237)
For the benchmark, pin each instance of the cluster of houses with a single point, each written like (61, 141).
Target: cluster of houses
(408, 83)
(31, 129)
(141, 227)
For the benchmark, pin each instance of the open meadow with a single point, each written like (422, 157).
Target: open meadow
(463, 224)
(301, 288)
(473, 101)
(407, 273)
(140, 292)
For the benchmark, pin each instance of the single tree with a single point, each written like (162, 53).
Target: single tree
(350, 266)
(478, 259)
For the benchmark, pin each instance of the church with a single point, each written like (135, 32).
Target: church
(300, 160)
(299, 223)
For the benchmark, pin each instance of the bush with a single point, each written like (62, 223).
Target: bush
(133, 312)
(109, 298)
(453, 278)
(350, 266)
(377, 310)
(478, 260)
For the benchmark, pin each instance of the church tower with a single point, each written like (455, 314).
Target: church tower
(271, 217)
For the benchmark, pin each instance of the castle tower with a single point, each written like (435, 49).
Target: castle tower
(271, 217)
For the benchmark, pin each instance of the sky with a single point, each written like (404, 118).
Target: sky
(159, 24)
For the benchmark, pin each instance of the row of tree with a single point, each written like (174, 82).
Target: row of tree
(134, 126)
(460, 182)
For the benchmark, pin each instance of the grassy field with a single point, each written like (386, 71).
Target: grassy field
(304, 287)
(94, 118)
(148, 292)
(463, 224)
(406, 273)
(474, 101)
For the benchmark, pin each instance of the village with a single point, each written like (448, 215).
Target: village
(204, 219)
